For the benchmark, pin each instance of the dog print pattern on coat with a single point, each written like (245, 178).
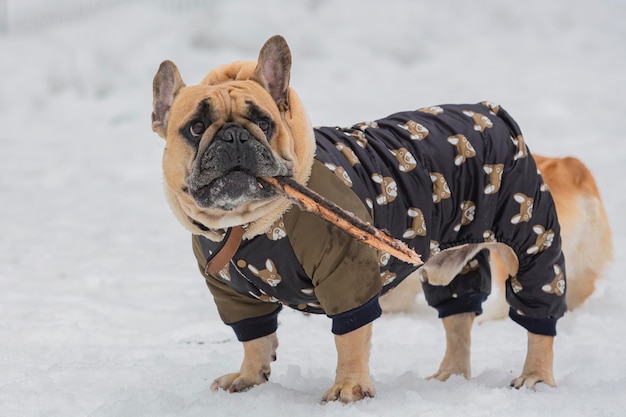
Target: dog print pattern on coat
(525, 208)
(495, 172)
(557, 285)
(418, 228)
(340, 172)
(269, 275)
(481, 122)
(360, 137)
(468, 211)
(416, 130)
(483, 187)
(348, 153)
(277, 230)
(388, 187)
(463, 147)
(406, 161)
(544, 239)
(522, 152)
(434, 110)
(441, 191)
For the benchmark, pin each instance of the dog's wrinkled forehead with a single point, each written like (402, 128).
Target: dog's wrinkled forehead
(205, 109)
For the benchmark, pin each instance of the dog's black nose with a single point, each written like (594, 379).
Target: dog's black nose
(233, 133)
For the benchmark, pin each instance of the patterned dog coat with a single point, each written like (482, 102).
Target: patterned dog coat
(436, 178)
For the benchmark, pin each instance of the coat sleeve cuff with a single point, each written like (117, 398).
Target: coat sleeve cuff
(255, 327)
(353, 319)
(543, 326)
(468, 303)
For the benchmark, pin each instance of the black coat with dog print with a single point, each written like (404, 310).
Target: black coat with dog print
(436, 178)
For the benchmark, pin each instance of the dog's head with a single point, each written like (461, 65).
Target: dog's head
(241, 122)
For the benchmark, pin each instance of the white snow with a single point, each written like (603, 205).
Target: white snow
(102, 309)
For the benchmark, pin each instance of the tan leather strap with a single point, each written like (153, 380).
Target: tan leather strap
(225, 252)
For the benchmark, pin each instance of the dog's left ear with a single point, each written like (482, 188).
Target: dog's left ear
(166, 84)
(273, 70)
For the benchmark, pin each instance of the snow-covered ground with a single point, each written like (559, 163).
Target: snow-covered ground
(102, 309)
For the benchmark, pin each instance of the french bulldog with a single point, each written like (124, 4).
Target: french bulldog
(440, 178)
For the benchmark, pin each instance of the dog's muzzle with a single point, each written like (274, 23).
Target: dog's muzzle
(225, 175)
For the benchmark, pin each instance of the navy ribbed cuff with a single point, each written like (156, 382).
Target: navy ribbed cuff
(467, 303)
(546, 327)
(256, 327)
(353, 319)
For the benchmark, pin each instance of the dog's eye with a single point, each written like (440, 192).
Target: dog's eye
(197, 128)
(265, 125)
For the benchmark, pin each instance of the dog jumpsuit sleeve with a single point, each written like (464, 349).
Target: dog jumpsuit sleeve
(249, 318)
(537, 294)
(345, 272)
(466, 292)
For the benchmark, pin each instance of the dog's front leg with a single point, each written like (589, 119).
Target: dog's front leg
(255, 368)
(538, 364)
(352, 381)
(456, 360)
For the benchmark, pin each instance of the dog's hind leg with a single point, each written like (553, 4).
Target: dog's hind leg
(538, 364)
(255, 368)
(456, 360)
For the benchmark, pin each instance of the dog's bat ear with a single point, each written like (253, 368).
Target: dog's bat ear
(166, 84)
(273, 70)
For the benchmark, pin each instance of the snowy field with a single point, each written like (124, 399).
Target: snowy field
(102, 310)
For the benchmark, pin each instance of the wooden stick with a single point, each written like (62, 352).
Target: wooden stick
(364, 232)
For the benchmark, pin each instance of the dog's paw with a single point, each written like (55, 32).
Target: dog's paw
(443, 374)
(238, 382)
(349, 392)
(530, 380)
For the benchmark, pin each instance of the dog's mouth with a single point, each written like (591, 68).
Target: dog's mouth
(225, 175)
(231, 190)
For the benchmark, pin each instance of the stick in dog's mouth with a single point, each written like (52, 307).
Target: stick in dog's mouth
(364, 232)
